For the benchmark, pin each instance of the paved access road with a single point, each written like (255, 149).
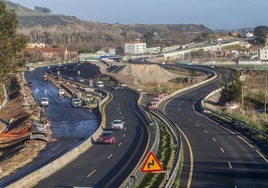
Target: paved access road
(215, 154)
(69, 126)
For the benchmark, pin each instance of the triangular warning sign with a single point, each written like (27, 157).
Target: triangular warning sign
(151, 164)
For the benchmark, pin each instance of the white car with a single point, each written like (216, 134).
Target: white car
(81, 79)
(61, 92)
(117, 124)
(44, 101)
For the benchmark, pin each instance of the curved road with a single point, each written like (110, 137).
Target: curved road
(215, 154)
(107, 165)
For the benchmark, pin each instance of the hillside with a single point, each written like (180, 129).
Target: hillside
(54, 29)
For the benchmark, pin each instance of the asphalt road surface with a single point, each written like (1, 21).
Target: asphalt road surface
(216, 155)
(107, 165)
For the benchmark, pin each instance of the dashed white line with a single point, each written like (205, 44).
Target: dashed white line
(197, 125)
(214, 139)
(205, 131)
(120, 144)
(91, 173)
(110, 156)
(222, 150)
(230, 165)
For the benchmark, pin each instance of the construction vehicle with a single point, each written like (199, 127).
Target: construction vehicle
(90, 101)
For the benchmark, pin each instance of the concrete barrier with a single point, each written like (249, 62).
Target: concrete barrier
(33, 178)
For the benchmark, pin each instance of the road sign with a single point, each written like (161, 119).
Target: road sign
(151, 164)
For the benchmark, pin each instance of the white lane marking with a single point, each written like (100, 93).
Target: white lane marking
(197, 125)
(228, 130)
(91, 173)
(230, 165)
(214, 139)
(205, 131)
(250, 145)
(222, 150)
(191, 159)
(120, 144)
(110, 156)
(124, 135)
(262, 155)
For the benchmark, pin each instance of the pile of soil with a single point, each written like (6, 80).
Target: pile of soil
(21, 108)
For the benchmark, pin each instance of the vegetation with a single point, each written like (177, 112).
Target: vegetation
(261, 32)
(11, 43)
(232, 91)
(69, 31)
(165, 155)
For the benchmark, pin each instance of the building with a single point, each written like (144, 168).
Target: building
(135, 47)
(264, 53)
(106, 51)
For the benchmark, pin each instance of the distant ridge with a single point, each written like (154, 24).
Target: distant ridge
(55, 29)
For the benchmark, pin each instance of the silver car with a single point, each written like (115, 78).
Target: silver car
(117, 124)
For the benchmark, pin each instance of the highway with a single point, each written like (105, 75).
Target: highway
(107, 165)
(215, 154)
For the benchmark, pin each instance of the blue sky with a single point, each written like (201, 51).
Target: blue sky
(214, 14)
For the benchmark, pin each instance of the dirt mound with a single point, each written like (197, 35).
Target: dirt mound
(148, 73)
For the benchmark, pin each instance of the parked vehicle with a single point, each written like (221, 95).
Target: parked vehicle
(117, 124)
(61, 92)
(44, 101)
(76, 102)
(107, 137)
(81, 79)
(100, 84)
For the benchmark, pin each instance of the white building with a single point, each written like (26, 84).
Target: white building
(264, 54)
(135, 47)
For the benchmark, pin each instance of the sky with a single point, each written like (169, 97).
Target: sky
(214, 14)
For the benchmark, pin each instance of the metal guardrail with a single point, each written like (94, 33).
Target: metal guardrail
(177, 137)
(137, 175)
(237, 121)
(230, 118)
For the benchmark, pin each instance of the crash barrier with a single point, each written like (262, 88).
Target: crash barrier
(177, 142)
(47, 170)
(190, 87)
(230, 118)
(136, 176)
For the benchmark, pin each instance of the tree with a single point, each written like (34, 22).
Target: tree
(11, 43)
(232, 91)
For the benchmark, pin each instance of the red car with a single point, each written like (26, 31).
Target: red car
(107, 137)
